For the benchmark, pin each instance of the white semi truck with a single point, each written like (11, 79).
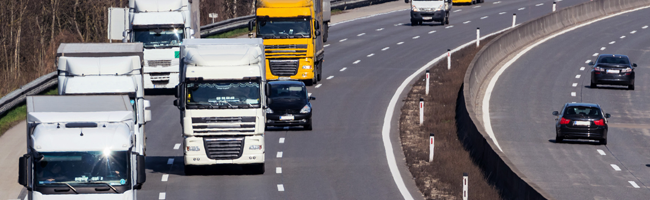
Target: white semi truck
(103, 68)
(161, 25)
(81, 147)
(222, 101)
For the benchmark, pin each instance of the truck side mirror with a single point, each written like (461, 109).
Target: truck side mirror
(555, 113)
(176, 94)
(317, 33)
(23, 171)
(312, 98)
(607, 115)
(251, 23)
(316, 25)
(142, 172)
(147, 112)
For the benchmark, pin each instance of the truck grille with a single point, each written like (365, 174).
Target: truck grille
(290, 46)
(293, 50)
(162, 63)
(283, 67)
(224, 148)
(212, 125)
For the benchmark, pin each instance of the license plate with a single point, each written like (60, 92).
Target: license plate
(611, 71)
(284, 78)
(582, 123)
(288, 117)
(427, 18)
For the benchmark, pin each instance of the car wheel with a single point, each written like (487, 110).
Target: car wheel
(308, 126)
(192, 170)
(414, 23)
(603, 141)
(254, 168)
(558, 139)
(593, 85)
(630, 87)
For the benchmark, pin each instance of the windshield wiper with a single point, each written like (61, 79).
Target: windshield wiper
(105, 183)
(70, 186)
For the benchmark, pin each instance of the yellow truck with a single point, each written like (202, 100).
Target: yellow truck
(293, 32)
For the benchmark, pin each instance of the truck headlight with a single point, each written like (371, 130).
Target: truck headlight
(305, 109)
(193, 148)
(255, 147)
(440, 7)
(306, 67)
(414, 8)
(269, 111)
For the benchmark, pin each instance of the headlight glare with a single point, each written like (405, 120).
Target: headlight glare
(306, 67)
(305, 109)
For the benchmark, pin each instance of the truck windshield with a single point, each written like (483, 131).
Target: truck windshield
(284, 28)
(159, 38)
(223, 94)
(79, 168)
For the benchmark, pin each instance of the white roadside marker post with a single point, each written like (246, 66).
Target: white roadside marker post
(431, 147)
(514, 19)
(464, 186)
(421, 111)
(448, 59)
(427, 87)
(554, 4)
(478, 36)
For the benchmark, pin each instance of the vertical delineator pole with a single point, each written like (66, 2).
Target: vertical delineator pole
(554, 5)
(465, 186)
(427, 87)
(421, 111)
(514, 19)
(431, 147)
(478, 36)
(448, 59)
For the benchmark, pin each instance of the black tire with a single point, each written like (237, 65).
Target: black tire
(192, 170)
(326, 29)
(320, 71)
(603, 141)
(558, 139)
(447, 18)
(414, 23)
(308, 126)
(254, 168)
(593, 85)
(630, 87)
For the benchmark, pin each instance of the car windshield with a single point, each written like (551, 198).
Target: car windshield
(223, 94)
(613, 60)
(78, 168)
(159, 38)
(582, 111)
(284, 28)
(287, 92)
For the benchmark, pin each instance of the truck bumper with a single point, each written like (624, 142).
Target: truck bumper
(428, 16)
(200, 157)
(160, 77)
(279, 72)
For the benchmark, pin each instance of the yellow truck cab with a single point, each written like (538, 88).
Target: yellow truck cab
(292, 31)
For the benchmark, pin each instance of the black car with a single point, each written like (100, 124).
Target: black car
(581, 121)
(612, 69)
(289, 104)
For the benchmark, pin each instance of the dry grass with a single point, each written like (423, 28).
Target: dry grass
(442, 178)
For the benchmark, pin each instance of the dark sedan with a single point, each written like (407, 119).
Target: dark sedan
(289, 104)
(614, 70)
(581, 121)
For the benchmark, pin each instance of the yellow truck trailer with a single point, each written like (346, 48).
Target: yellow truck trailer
(293, 32)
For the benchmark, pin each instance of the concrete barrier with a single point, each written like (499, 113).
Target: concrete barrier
(500, 171)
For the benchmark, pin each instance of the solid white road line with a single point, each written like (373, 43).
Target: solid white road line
(400, 43)
(327, 45)
(587, 62)
(278, 170)
(370, 55)
(582, 68)
(170, 161)
(356, 62)
(416, 37)
(522, 8)
(622, 37)
(317, 86)
(458, 10)
(281, 140)
(573, 94)
(467, 22)
(595, 54)
(164, 178)
(578, 76)
(574, 85)
(162, 195)
(493, 81)
(616, 168)
(385, 131)
(361, 34)
(484, 17)
(452, 26)
(601, 152)
(177, 146)
(431, 32)
(280, 188)
(612, 42)
(633, 32)
(385, 48)
(279, 154)
(602, 48)
(330, 77)
(634, 184)
(501, 13)
(379, 29)
(343, 69)
(343, 40)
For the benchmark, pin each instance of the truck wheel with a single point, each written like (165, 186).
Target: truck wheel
(254, 168)
(447, 18)
(320, 71)
(413, 22)
(192, 170)
(326, 28)
(308, 126)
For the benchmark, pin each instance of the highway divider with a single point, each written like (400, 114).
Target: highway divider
(501, 172)
(18, 96)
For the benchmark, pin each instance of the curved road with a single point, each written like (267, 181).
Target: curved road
(555, 72)
(343, 157)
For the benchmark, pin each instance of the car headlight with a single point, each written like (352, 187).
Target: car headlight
(269, 111)
(255, 147)
(305, 109)
(193, 148)
(440, 7)
(306, 67)
(414, 8)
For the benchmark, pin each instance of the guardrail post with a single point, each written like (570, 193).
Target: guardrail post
(554, 6)
(465, 186)
(448, 59)
(431, 147)
(427, 78)
(421, 111)
(478, 36)
(514, 19)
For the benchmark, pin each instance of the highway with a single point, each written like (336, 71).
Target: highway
(554, 73)
(343, 157)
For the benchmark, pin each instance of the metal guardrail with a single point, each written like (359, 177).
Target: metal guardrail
(18, 96)
(242, 22)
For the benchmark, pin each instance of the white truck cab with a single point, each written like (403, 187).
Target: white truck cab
(429, 10)
(81, 147)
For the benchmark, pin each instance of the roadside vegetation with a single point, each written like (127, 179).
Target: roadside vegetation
(18, 114)
(232, 34)
(442, 178)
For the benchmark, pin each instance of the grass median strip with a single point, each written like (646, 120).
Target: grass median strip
(442, 178)
(17, 114)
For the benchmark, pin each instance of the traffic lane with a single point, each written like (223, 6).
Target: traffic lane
(542, 81)
(164, 130)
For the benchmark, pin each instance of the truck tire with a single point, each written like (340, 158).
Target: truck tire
(447, 18)
(254, 168)
(192, 170)
(413, 22)
(320, 71)
(326, 29)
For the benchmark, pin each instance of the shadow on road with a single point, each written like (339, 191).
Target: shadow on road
(576, 141)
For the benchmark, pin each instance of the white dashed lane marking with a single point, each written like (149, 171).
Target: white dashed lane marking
(498, 2)
(582, 68)
(644, 27)
(574, 85)
(330, 77)
(327, 45)
(400, 43)
(317, 86)
(586, 62)
(170, 161)
(343, 69)
(370, 55)
(279, 154)
(616, 168)
(573, 94)
(595, 54)
(361, 34)
(501, 13)
(622, 37)
(540, 4)
(177, 146)
(578, 76)
(379, 29)
(458, 10)
(416, 37)
(634, 184)
(467, 22)
(484, 17)
(356, 62)
(343, 40)
(398, 24)
(431, 32)
(450, 26)
(633, 32)
(162, 195)
(521, 8)
(385, 48)
(281, 140)
(612, 42)
(477, 6)
(164, 178)
(601, 152)
(602, 48)
(280, 188)
(278, 170)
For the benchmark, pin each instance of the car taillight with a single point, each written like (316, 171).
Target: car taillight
(599, 69)
(564, 121)
(600, 122)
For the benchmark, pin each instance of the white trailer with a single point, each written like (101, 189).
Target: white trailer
(103, 68)
(81, 147)
(222, 99)
(161, 25)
